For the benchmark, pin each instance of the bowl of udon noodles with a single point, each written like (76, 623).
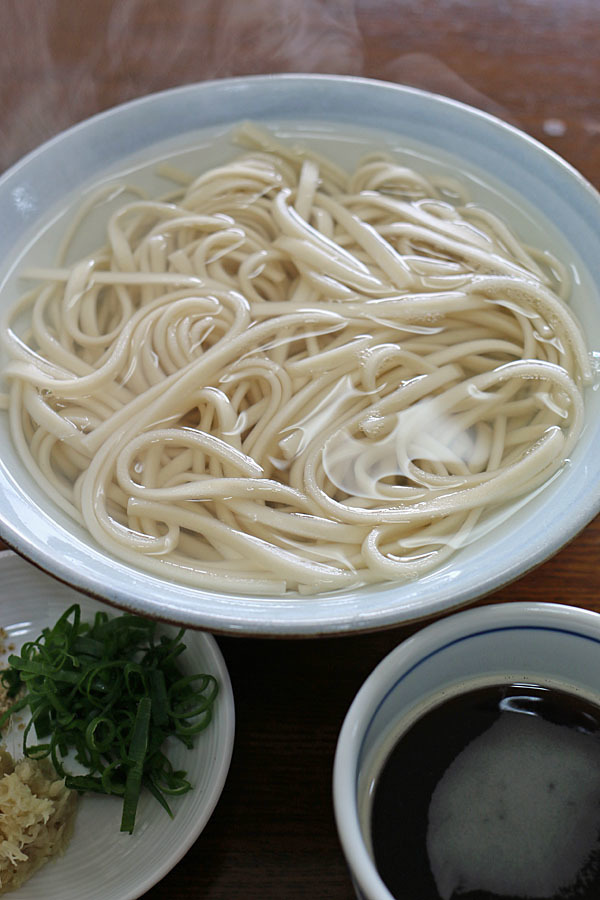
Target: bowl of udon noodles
(296, 355)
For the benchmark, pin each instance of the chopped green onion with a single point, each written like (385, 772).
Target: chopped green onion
(109, 692)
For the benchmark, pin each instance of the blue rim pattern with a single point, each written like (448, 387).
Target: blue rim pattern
(453, 642)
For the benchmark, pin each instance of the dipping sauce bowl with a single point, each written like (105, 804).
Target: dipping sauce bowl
(553, 646)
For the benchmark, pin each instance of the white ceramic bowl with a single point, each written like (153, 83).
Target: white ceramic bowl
(554, 203)
(543, 643)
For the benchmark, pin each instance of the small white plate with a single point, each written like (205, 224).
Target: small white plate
(101, 863)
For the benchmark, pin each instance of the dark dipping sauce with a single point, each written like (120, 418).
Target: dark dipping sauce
(404, 816)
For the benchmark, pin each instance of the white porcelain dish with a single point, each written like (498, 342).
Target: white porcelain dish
(555, 203)
(542, 643)
(101, 863)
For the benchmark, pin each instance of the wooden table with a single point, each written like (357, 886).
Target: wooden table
(532, 62)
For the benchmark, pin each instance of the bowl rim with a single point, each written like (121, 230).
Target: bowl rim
(335, 613)
(398, 663)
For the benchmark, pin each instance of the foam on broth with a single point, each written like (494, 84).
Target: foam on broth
(489, 790)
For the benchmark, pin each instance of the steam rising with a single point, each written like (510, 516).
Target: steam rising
(77, 59)
(309, 36)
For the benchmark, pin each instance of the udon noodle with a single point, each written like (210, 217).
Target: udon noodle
(284, 377)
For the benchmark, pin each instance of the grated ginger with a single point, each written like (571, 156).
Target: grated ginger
(37, 814)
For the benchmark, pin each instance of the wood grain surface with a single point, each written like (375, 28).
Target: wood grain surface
(534, 63)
